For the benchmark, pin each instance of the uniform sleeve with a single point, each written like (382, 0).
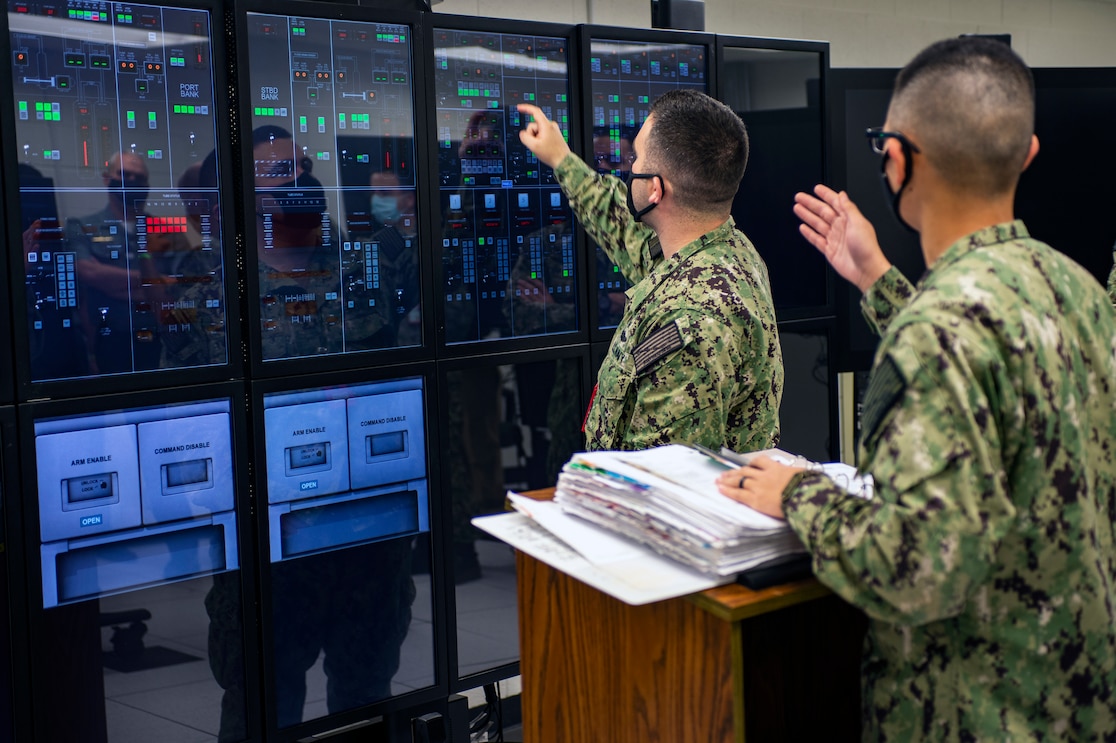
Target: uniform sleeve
(1112, 280)
(600, 203)
(883, 300)
(686, 395)
(918, 550)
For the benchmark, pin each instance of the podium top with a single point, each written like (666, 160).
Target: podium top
(734, 602)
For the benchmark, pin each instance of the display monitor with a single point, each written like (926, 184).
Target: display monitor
(120, 490)
(115, 190)
(625, 71)
(1071, 106)
(778, 89)
(332, 182)
(509, 261)
(859, 100)
(346, 506)
(504, 426)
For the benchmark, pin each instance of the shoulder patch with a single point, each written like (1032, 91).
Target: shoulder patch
(884, 390)
(663, 341)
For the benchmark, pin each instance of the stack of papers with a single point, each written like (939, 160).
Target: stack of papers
(666, 498)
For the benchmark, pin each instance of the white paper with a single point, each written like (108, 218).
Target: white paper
(597, 545)
(638, 580)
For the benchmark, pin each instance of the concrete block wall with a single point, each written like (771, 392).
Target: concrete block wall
(862, 33)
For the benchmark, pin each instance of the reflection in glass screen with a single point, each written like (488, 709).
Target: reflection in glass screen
(778, 95)
(507, 239)
(626, 77)
(334, 174)
(115, 142)
(512, 427)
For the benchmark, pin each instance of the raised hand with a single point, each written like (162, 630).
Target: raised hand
(833, 224)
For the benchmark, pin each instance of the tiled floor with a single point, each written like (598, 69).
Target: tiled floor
(181, 703)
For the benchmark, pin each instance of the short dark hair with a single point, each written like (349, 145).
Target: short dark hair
(701, 146)
(969, 105)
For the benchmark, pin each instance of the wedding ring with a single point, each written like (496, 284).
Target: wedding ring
(740, 484)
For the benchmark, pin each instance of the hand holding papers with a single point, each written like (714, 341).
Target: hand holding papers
(652, 524)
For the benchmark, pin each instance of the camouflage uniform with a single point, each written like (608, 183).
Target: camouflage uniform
(986, 559)
(1112, 279)
(696, 357)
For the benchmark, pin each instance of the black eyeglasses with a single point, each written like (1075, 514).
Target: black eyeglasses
(877, 137)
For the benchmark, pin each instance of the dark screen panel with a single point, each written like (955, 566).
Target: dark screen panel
(860, 99)
(118, 207)
(334, 186)
(505, 426)
(509, 266)
(627, 70)
(8, 463)
(141, 577)
(779, 95)
(347, 520)
(1058, 192)
(807, 415)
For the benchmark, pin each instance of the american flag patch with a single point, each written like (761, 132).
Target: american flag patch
(663, 341)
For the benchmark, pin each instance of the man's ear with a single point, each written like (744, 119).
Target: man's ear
(1034, 150)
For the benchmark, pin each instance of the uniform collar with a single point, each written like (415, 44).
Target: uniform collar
(987, 237)
(718, 235)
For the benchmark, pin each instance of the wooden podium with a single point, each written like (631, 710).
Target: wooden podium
(724, 665)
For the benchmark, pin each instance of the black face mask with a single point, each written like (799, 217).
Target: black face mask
(637, 214)
(894, 197)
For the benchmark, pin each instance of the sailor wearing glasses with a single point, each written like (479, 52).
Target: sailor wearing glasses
(985, 561)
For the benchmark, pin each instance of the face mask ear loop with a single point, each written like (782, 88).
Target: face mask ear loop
(896, 196)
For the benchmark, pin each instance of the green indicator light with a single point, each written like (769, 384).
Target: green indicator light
(150, 115)
(128, 18)
(566, 274)
(23, 105)
(534, 274)
(616, 269)
(46, 154)
(132, 115)
(38, 107)
(302, 120)
(150, 154)
(341, 118)
(189, 107)
(321, 121)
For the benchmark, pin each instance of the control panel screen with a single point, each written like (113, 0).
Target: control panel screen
(345, 466)
(120, 490)
(337, 227)
(508, 259)
(115, 135)
(626, 77)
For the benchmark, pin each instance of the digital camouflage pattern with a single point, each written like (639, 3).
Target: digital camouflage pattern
(696, 357)
(1112, 280)
(986, 560)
